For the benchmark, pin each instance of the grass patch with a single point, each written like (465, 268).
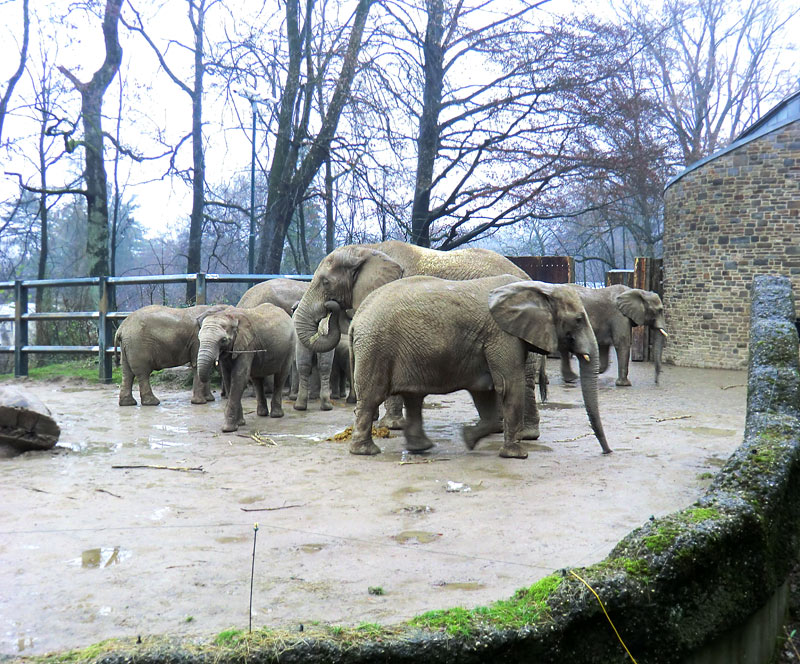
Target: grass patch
(526, 606)
(82, 369)
(229, 637)
(667, 530)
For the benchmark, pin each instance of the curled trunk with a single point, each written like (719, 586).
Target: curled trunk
(310, 313)
(589, 389)
(206, 357)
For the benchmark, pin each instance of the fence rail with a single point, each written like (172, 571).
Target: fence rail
(106, 288)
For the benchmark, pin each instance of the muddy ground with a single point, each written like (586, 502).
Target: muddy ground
(90, 549)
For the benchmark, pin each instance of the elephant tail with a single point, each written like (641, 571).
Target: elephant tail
(117, 342)
(543, 380)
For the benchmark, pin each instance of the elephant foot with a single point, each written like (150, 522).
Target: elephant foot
(513, 451)
(127, 401)
(199, 400)
(364, 447)
(471, 435)
(325, 404)
(569, 377)
(228, 427)
(276, 412)
(623, 382)
(392, 422)
(418, 444)
(150, 401)
(530, 432)
(209, 398)
(300, 405)
(262, 411)
(351, 399)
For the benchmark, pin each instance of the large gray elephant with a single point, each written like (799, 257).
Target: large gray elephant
(250, 344)
(348, 274)
(471, 335)
(286, 293)
(613, 312)
(157, 337)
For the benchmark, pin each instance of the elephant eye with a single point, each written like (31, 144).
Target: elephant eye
(326, 282)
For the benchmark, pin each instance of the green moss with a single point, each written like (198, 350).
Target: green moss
(371, 630)
(85, 655)
(84, 369)
(526, 606)
(229, 637)
(668, 529)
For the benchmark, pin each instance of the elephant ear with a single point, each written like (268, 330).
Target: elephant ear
(373, 270)
(243, 336)
(631, 304)
(523, 309)
(214, 309)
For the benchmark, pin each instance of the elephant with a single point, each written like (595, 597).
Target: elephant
(342, 372)
(348, 274)
(156, 337)
(472, 335)
(613, 311)
(286, 293)
(250, 344)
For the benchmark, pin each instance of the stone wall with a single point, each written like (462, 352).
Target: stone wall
(730, 218)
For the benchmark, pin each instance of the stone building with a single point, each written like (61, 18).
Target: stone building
(727, 218)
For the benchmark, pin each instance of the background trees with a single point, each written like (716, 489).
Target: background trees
(524, 127)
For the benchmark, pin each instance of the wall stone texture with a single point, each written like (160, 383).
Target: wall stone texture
(730, 219)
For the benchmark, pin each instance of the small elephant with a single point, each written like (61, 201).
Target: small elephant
(342, 371)
(613, 312)
(157, 337)
(250, 344)
(286, 293)
(473, 335)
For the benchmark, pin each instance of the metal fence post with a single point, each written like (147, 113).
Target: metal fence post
(20, 329)
(200, 288)
(103, 331)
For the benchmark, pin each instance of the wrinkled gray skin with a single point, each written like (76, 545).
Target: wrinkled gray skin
(348, 274)
(342, 373)
(250, 344)
(286, 293)
(471, 335)
(613, 312)
(157, 337)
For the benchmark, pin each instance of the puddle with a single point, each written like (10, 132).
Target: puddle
(710, 431)
(715, 461)
(312, 548)
(415, 510)
(419, 536)
(233, 539)
(466, 585)
(403, 491)
(24, 643)
(555, 405)
(500, 472)
(158, 443)
(102, 557)
(249, 500)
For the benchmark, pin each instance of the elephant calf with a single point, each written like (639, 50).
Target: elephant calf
(157, 337)
(424, 335)
(250, 344)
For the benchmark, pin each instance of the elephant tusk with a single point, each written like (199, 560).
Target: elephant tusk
(663, 332)
(587, 358)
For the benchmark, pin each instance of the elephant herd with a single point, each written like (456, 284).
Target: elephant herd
(402, 322)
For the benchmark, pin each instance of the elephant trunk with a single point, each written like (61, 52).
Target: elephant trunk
(588, 371)
(658, 349)
(310, 312)
(206, 356)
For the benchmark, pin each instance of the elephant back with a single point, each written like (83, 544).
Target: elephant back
(284, 293)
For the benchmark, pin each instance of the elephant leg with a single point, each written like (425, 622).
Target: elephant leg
(489, 423)
(513, 400)
(277, 395)
(623, 357)
(200, 389)
(146, 391)
(351, 395)
(603, 358)
(393, 417)
(294, 381)
(416, 440)
(126, 388)
(304, 360)
(234, 416)
(324, 364)
(567, 373)
(262, 410)
(530, 426)
(362, 442)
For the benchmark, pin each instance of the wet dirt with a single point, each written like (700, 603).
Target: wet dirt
(141, 520)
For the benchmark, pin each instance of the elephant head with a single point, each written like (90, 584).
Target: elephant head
(220, 331)
(645, 308)
(342, 281)
(548, 317)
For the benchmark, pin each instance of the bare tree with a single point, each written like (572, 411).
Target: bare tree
(94, 174)
(23, 56)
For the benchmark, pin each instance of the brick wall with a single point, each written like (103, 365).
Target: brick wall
(728, 220)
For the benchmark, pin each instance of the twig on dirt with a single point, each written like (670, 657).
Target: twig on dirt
(412, 463)
(33, 488)
(728, 387)
(270, 509)
(178, 468)
(668, 419)
(108, 492)
(569, 440)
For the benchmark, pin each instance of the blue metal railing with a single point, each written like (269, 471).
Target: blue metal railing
(105, 343)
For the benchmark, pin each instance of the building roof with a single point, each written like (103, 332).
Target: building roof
(784, 113)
